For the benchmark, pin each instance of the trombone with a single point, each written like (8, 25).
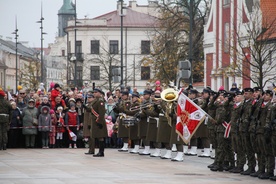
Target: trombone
(143, 106)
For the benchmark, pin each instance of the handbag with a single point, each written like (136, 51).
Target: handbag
(35, 122)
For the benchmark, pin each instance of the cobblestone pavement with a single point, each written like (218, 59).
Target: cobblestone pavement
(60, 166)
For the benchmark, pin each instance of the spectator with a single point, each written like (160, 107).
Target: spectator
(72, 123)
(60, 126)
(15, 131)
(52, 134)
(45, 125)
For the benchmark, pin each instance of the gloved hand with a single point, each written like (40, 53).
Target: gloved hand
(100, 125)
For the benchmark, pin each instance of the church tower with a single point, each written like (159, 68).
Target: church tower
(65, 13)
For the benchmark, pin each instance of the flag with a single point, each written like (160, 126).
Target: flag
(189, 117)
(72, 136)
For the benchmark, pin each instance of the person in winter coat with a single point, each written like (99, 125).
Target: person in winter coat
(45, 125)
(59, 127)
(45, 102)
(21, 104)
(30, 122)
(52, 134)
(72, 122)
(15, 131)
(55, 93)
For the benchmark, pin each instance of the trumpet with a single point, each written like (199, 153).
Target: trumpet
(144, 106)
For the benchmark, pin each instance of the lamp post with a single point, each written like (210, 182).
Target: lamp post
(75, 78)
(122, 64)
(191, 40)
(41, 48)
(16, 62)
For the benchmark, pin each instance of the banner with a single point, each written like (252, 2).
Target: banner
(189, 117)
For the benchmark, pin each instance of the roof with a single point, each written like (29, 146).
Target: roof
(67, 8)
(268, 8)
(131, 19)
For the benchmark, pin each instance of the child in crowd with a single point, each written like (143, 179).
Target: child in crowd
(72, 123)
(55, 93)
(60, 126)
(44, 125)
(52, 134)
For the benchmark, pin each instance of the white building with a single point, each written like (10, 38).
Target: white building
(98, 43)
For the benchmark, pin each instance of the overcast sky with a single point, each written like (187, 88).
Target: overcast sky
(28, 12)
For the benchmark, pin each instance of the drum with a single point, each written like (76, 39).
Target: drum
(129, 121)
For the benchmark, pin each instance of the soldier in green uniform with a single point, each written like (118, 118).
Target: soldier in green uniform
(87, 122)
(234, 133)
(120, 109)
(98, 128)
(256, 104)
(5, 115)
(272, 126)
(266, 158)
(243, 130)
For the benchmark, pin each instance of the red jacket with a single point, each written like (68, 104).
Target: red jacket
(71, 118)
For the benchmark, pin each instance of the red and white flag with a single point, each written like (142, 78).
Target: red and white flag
(189, 117)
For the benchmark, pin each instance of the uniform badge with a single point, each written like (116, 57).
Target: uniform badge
(101, 103)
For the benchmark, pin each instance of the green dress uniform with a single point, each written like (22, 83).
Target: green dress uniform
(202, 130)
(143, 124)
(153, 123)
(5, 115)
(265, 157)
(98, 128)
(273, 133)
(120, 109)
(133, 130)
(175, 139)
(164, 129)
(87, 125)
(245, 136)
(236, 138)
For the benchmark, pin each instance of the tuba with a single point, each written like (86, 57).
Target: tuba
(169, 95)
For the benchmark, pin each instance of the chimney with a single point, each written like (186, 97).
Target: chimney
(133, 4)
(119, 8)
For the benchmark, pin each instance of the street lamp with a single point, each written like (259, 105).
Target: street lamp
(76, 60)
(191, 40)
(16, 64)
(41, 48)
(122, 64)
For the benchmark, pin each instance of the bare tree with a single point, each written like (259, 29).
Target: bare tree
(254, 53)
(30, 74)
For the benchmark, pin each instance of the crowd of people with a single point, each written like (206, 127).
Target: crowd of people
(241, 128)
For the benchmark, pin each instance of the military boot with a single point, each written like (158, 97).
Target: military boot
(238, 170)
(101, 150)
(212, 165)
(217, 168)
(256, 174)
(273, 178)
(249, 171)
(266, 175)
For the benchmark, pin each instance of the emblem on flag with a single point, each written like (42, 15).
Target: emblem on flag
(189, 117)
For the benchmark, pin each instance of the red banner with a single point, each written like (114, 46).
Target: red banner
(189, 117)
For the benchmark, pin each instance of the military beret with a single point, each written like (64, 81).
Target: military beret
(221, 92)
(248, 90)
(213, 92)
(136, 95)
(206, 90)
(269, 92)
(258, 89)
(90, 96)
(238, 93)
(147, 92)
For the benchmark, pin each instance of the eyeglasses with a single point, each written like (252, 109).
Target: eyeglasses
(22, 93)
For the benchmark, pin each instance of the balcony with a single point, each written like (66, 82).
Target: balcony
(79, 57)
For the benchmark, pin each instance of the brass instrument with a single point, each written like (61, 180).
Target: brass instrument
(144, 106)
(169, 95)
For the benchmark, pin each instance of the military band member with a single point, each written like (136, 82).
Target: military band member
(244, 133)
(143, 125)
(98, 128)
(202, 131)
(133, 130)
(87, 123)
(120, 108)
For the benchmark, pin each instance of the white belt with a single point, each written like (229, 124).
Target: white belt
(161, 114)
(157, 120)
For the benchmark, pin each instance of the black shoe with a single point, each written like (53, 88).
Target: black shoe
(248, 171)
(211, 165)
(227, 167)
(256, 174)
(89, 153)
(238, 170)
(265, 175)
(233, 170)
(217, 168)
(273, 178)
(100, 154)
(4, 147)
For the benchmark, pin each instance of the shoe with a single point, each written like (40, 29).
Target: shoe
(217, 168)
(146, 151)
(266, 175)
(273, 178)
(179, 157)
(238, 170)
(174, 148)
(124, 148)
(206, 153)
(233, 169)
(212, 165)
(157, 153)
(228, 167)
(168, 155)
(100, 154)
(70, 146)
(256, 174)
(248, 171)
(135, 150)
(193, 151)
(185, 149)
(89, 153)
(4, 147)
(75, 146)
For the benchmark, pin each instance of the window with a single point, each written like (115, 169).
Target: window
(145, 72)
(113, 47)
(79, 72)
(226, 2)
(95, 73)
(226, 37)
(79, 46)
(145, 47)
(62, 52)
(95, 46)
